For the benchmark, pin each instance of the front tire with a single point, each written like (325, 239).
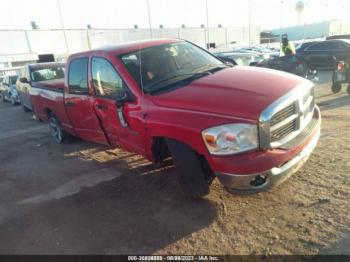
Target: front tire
(57, 132)
(191, 173)
(336, 87)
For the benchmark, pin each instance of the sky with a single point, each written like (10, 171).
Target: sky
(266, 14)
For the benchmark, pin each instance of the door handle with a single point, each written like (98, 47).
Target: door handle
(101, 107)
(70, 104)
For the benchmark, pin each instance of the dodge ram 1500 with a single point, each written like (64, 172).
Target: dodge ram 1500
(250, 127)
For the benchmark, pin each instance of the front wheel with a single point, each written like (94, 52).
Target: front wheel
(193, 175)
(336, 87)
(56, 130)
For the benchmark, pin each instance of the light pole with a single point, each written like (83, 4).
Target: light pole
(207, 14)
(62, 25)
(149, 19)
(281, 13)
(250, 21)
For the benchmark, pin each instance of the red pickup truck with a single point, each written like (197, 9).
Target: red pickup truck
(250, 127)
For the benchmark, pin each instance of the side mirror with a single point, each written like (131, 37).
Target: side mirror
(23, 80)
(123, 97)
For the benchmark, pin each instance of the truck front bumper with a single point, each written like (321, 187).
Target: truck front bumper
(262, 181)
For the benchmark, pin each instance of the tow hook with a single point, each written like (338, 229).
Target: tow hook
(258, 181)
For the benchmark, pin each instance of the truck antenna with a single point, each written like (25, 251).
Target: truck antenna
(140, 72)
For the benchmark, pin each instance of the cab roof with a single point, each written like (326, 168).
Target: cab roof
(127, 47)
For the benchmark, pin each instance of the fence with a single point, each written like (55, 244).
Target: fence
(60, 42)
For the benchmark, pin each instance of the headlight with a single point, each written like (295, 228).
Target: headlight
(231, 138)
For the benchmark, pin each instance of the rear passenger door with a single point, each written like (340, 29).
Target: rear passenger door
(79, 105)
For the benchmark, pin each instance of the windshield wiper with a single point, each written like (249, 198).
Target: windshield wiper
(187, 80)
(195, 74)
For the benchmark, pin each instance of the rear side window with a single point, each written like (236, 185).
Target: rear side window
(106, 80)
(324, 46)
(78, 76)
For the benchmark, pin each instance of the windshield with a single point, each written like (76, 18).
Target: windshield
(13, 80)
(165, 65)
(45, 74)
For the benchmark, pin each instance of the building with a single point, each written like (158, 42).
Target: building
(315, 30)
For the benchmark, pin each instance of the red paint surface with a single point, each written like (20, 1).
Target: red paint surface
(232, 95)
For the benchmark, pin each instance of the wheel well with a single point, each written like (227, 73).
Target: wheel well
(48, 112)
(161, 152)
(160, 149)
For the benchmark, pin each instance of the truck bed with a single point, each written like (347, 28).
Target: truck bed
(48, 98)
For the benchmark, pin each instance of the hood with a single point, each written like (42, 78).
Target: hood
(242, 92)
(57, 84)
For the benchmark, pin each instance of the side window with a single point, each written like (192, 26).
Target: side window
(324, 46)
(342, 46)
(78, 76)
(106, 80)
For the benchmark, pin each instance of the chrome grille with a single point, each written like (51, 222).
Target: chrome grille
(283, 114)
(287, 117)
(283, 131)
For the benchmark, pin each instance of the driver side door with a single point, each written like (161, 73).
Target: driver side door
(120, 124)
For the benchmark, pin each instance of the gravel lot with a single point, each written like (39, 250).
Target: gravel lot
(81, 198)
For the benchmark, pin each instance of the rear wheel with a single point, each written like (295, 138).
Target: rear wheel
(336, 87)
(3, 97)
(193, 173)
(348, 89)
(13, 101)
(25, 109)
(56, 130)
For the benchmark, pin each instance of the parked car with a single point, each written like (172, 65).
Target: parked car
(250, 127)
(240, 58)
(9, 91)
(320, 55)
(293, 64)
(33, 75)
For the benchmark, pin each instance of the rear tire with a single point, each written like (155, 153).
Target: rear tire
(13, 101)
(57, 132)
(348, 89)
(191, 173)
(25, 109)
(336, 87)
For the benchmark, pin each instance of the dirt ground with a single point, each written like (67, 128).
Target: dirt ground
(81, 198)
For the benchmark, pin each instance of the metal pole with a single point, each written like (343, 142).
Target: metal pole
(207, 13)
(28, 42)
(62, 25)
(88, 38)
(250, 20)
(149, 19)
